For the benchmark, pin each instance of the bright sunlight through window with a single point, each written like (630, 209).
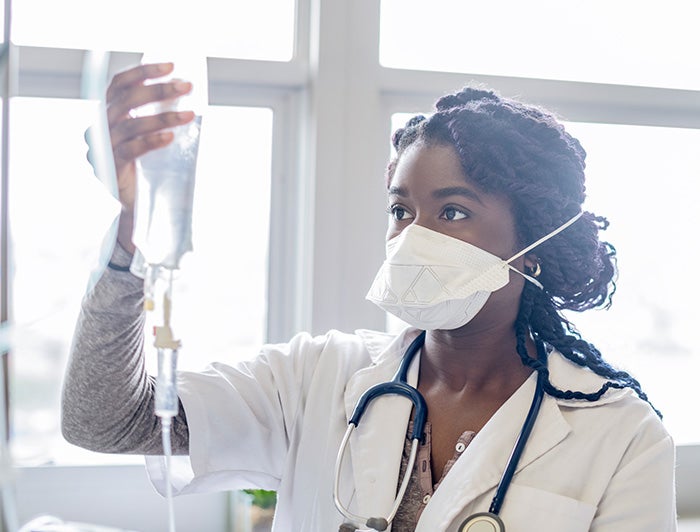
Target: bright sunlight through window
(628, 42)
(263, 29)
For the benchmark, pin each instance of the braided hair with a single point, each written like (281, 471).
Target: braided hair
(521, 151)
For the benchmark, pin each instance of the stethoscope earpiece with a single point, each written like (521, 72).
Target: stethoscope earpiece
(482, 522)
(375, 523)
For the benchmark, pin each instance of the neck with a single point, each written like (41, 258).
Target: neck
(473, 360)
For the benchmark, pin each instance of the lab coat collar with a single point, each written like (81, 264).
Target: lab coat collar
(384, 346)
(377, 444)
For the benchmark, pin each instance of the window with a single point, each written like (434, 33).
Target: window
(219, 29)
(643, 179)
(248, 231)
(59, 213)
(52, 251)
(625, 42)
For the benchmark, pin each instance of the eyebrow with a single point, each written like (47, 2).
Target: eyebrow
(441, 193)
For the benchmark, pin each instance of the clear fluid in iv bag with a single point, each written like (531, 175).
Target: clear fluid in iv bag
(166, 176)
(165, 181)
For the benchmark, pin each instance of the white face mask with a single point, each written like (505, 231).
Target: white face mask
(434, 281)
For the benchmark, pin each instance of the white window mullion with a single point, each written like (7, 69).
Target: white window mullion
(56, 73)
(348, 153)
(576, 101)
(291, 222)
(257, 75)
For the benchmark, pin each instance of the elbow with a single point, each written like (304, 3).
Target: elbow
(70, 435)
(90, 440)
(78, 428)
(75, 433)
(70, 427)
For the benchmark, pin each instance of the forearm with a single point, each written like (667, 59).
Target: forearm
(124, 231)
(108, 397)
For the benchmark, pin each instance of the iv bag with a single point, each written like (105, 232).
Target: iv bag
(166, 176)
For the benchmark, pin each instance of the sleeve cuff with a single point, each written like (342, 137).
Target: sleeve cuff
(120, 259)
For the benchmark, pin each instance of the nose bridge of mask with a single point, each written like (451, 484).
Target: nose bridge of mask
(537, 243)
(435, 267)
(418, 245)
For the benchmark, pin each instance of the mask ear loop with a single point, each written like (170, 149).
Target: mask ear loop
(537, 243)
(528, 277)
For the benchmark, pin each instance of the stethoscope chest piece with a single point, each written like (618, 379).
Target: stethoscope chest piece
(482, 522)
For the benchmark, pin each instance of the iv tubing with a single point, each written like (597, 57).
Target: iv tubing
(166, 408)
(166, 401)
(165, 423)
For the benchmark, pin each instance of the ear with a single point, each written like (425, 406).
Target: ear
(531, 261)
(532, 265)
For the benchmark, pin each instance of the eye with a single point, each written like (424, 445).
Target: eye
(454, 213)
(398, 213)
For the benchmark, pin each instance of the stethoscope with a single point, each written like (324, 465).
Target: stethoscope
(398, 385)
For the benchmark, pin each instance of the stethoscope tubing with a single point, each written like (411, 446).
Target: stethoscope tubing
(524, 436)
(398, 385)
(376, 523)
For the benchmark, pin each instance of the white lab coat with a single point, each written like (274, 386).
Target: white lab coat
(277, 423)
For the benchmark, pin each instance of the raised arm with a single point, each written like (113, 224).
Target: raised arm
(107, 402)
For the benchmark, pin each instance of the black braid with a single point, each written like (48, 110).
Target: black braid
(537, 307)
(524, 153)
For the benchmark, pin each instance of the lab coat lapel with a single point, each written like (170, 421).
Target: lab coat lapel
(481, 466)
(377, 443)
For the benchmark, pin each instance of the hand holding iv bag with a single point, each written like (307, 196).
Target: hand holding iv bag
(165, 177)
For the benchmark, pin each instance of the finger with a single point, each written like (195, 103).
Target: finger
(136, 76)
(90, 160)
(93, 147)
(127, 130)
(135, 97)
(127, 152)
(87, 136)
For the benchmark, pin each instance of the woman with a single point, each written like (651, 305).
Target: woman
(472, 189)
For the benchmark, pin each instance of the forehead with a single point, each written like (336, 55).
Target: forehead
(435, 171)
(429, 163)
(429, 169)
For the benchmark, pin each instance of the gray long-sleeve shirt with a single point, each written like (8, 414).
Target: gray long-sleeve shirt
(108, 397)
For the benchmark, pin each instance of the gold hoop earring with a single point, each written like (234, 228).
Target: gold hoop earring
(536, 270)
